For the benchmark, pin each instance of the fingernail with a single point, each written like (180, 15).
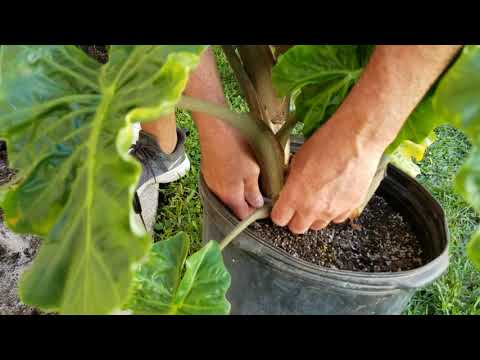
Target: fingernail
(259, 201)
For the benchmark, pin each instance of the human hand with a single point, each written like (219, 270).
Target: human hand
(231, 171)
(328, 180)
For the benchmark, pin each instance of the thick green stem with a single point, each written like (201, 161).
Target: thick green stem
(245, 82)
(283, 135)
(261, 213)
(258, 62)
(267, 149)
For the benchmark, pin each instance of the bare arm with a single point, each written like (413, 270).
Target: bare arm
(394, 82)
(331, 173)
(228, 165)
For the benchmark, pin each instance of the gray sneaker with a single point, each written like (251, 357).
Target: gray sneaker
(158, 168)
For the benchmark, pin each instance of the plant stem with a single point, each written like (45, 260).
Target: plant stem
(267, 149)
(377, 180)
(258, 62)
(283, 135)
(261, 213)
(245, 82)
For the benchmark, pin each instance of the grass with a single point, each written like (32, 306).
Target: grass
(457, 292)
(181, 209)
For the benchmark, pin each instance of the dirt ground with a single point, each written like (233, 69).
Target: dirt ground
(16, 253)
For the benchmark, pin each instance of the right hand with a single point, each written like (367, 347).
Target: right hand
(231, 172)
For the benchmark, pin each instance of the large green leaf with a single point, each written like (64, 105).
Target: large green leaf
(457, 98)
(304, 65)
(66, 120)
(467, 181)
(467, 184)
(161, 288)
(323, 76)
(458, 95)
(317, 103)
(473, 249)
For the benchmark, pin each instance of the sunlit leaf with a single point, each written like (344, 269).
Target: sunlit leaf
(66, 121)
(169, 283)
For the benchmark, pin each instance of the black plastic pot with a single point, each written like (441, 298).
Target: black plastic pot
(267, 280)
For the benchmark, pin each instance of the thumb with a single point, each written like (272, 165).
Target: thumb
(252, 192)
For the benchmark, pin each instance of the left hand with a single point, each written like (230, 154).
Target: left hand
(329, 179)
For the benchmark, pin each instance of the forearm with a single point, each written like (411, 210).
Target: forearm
(393, 83)
(205, 84)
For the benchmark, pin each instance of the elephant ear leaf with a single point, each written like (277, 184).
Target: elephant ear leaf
(169, 283)
(322, 76)
(66, 118)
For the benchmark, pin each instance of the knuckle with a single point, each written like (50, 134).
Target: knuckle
(296, 229)
(278, 218)
(308, 208)
(327, 213)
(319, 226)
(255, 172)
(231, 199)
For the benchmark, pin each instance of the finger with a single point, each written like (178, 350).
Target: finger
(252, 192)
(300, 224)
(342, 218)
(282, 213)
(236, 202)
(241, 209)
(320, 224)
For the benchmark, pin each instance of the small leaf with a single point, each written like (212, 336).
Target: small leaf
(304, 65)
(405, 156)
(161, 289)
(323, 75)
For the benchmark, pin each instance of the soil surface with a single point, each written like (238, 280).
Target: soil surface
(16, 253)
(380, 240)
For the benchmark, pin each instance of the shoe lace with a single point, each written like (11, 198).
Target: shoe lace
(144, 153)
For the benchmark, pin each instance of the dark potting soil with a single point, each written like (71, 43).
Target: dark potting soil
(380, 240)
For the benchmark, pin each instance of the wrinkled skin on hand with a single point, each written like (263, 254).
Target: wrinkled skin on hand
(328, 180)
